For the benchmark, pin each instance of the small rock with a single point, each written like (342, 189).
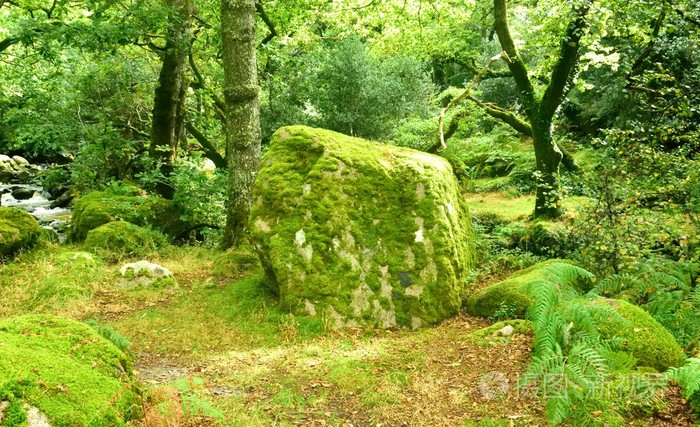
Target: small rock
(22, 193)
(505, 331)
(35, 418)
(144, 274)
(3, 406)
(63, 201)
(21, 161)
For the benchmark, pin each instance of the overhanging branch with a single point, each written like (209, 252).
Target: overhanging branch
(568, 56)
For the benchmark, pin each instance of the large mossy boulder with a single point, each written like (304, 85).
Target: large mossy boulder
(119, 239)
(18, 230)
(512, 297)
(67, 370)
(359, 232)
(638, 332)
(98, 208)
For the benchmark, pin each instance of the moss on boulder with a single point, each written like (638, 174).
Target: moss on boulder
(97, 208)
(18, 230)
(359, 232)
(119, 239)
(640, 334)
(511, 297)
(68, 371)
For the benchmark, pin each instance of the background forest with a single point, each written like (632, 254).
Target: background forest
(572, 128)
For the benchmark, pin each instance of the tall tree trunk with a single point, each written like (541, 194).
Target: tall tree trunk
(242, 112)
(548, 158)
(171, 94)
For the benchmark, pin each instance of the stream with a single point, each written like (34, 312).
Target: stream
(38, 205)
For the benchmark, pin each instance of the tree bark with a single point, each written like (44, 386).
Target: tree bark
(242, 113)
(171, 94)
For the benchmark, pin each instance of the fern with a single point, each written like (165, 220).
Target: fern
(687, 376)
(115, 337)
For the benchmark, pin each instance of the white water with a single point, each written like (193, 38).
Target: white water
(38, 206)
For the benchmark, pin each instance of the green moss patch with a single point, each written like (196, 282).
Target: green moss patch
(66, 370)
(98, 208)
(640, 334)
(18, 230)
(511, 297)
(117, 240)
(359, 232)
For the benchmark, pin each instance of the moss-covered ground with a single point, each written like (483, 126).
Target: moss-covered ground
(220, 346)
(217, 351)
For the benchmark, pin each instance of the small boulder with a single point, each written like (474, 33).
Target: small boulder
(511, 298)
(18, 230)
(22, 193)
(119, 239)
(640, 334)
(144, 274)
(20, 161)
(359, 232)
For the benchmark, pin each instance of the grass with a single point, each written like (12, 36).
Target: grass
(219, 352)
(512, 208)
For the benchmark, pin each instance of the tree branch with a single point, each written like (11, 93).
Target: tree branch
(683, 14)
(507, 117)
(568, 56)
(463, 96)
(210, 150)
(219, 106)
(9, 41)
(270, 26)
(513, 59)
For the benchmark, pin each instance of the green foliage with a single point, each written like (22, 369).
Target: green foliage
(584, 352)
(343, 87)
(195, 399)
(126, 203)
(201, 196)
(688, 377)
(666, 289)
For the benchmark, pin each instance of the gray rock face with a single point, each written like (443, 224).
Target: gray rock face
(144, 274)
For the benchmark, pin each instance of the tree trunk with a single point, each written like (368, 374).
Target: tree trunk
(171, 94)
(548, 158)
(242, 112)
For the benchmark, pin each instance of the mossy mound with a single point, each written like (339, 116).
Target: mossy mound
(18, 230)
(68, 371)
(119, 239)
(511, 298)
(359, 232)
(98, 208)
(640, 334)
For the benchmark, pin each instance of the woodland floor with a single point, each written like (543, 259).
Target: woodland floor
(220, 344)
